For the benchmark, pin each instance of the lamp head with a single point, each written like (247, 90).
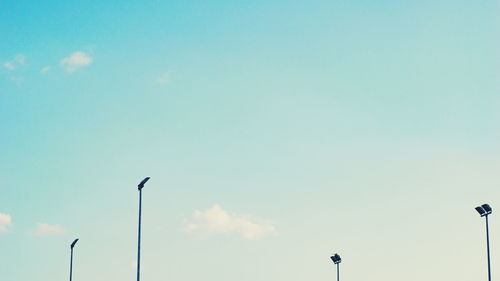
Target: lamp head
(142, 183)
(74, 242)
(480, 210)
(487, 208)
(336, 259)
(484, 210)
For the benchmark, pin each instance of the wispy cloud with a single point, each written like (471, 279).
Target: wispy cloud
(15, 63)
(76, 61)
(45, 229)
(17, 80)
(164, 79)
(45, 69)
(20, 59)
(216, 220)
(9, 65)
(5, 221)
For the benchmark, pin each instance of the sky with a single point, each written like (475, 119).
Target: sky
(275, 133)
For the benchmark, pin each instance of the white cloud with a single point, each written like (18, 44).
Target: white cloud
(75, 61)
(44, 229)
(17, 61)
(17, 80)
(45, 69)
(5, 221)
(9, 65)
(20, 59)
(164, 79)
(216, 220)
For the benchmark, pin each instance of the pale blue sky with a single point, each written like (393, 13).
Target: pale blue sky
(368, 128)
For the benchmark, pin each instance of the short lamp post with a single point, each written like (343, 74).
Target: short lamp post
(485, 210)
(336, 260)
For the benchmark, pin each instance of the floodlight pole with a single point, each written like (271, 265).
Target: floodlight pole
(71, 260)
(488, 247)
(139, 237)
(338, 271)
(71, 266)
(140, 187)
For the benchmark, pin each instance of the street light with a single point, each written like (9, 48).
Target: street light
(485, 210)
(71, 261)
(336, 260)
(140, 187)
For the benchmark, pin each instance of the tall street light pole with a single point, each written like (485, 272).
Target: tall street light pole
(336, 260)
(140, 187)
(338, 271)
(71, 260)
(485, 210)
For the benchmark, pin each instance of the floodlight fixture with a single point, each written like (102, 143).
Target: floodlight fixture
(142, 183)
(74, 242)
(336, 259)
(484, 210)
(487, 208)
(481, 211)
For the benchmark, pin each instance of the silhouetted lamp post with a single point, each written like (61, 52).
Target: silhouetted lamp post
(336, 260)
(71, 261)
(485, 210)
(140, 187)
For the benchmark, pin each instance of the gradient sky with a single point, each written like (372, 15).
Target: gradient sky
(275, 133)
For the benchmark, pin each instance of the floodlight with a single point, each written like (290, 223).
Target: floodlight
(336, 259)
(74, 242)
(480, 210)
(487, 208)
(143, 182)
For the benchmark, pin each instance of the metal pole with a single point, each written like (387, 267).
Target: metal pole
(338, 271)
(488, 248)
(71, 266)
(139, 238)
